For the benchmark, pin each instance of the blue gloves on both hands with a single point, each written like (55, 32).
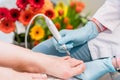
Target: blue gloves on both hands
(76, 37)
(96, 69)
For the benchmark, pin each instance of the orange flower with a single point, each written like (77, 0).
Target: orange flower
(7, 26)
(47, 5)
(25, 17)
(72, 4)
(49, 37)
(36, 43)
(69, 26)
(78, 9)
(61, 12)
(35, 10)
(57, 25)
(79, 6)
(66, 20)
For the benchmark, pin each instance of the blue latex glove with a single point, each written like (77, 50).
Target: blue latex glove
(76, 37)
(96, 69)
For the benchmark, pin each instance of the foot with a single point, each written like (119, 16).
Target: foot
(63, 67)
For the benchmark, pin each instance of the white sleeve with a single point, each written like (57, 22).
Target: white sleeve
(109, 14)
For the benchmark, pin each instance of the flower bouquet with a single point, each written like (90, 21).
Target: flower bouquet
(63, 16)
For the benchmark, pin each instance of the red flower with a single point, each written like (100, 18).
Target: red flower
(7, 26)
(36, 3)
(25, 17)
(15, 13)
(50, 13)
(22, 3)
(4, 12)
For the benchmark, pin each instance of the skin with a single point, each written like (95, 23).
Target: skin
(10, 74)
(116, 62)
(25, 60)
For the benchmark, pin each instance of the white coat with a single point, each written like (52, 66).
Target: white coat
(107, 43)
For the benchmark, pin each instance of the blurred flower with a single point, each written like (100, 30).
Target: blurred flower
(15, 13)
(72, 4)
(7, 25)
(66, 20)
(36, 43)
(35, 10)
(79, 6)
(57, 24)
(50, 13)
(61, 7)
(25, 16)
(36, 3)
(4, 12)
(47, 5)
(61, 12)
(22, 3)
(37, 32)
(49, 37)
(69, 26)
(78, 9)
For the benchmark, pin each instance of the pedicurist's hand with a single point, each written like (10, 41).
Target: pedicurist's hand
(76, 37)
(96, 69)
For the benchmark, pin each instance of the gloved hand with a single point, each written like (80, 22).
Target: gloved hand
(76, 37)
(96, 69)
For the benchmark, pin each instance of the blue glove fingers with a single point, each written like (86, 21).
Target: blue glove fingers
(96, 69)
(65, 37)
(61, 49)
(63, 32)
(68, 46)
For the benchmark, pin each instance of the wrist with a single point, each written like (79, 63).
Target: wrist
(92, 29)
(99, 26)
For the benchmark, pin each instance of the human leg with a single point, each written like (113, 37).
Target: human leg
(21, 59)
